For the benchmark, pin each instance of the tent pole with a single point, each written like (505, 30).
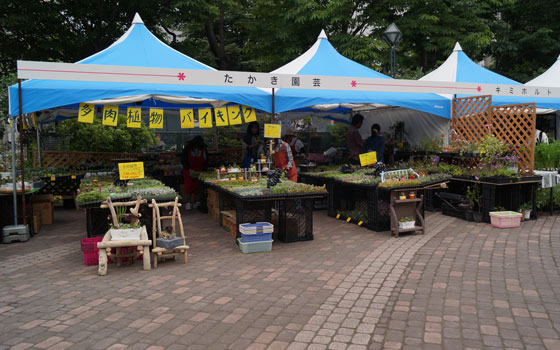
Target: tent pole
(39, 145)
(273, 102)
(21, 157)
(14, 178)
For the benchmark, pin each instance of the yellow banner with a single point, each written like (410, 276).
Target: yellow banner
(134, 170)
(133, 117)
(187, 118)
(249, 114)
(234, 115)
(156, 118)
(220, 114)
(273, 131)
(368, 158)
(86, 112)
(205, 118)
(110, 115)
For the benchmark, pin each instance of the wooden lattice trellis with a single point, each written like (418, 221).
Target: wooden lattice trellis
(473, 117)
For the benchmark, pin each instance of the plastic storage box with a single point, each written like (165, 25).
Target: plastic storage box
(255, 247)
(261, 231)
(505, 219)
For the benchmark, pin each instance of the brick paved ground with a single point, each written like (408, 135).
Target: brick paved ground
(461, 285)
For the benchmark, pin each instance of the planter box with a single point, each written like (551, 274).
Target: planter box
(169, 243)
(127, 234)
(407, 224)
(255, 247)
(505, 219)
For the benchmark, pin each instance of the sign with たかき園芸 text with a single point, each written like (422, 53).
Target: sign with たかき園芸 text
(134, 170)
(368, 158)
(110, 115)
(86, 112)
(156, 118)
(273, 131)
(133, 117)
(187, 118)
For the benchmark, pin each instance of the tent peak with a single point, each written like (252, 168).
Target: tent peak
(323, 35)
(137, 19)
(457, 47)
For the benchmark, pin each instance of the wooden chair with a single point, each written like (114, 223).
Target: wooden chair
(107, 244)
(161, 252)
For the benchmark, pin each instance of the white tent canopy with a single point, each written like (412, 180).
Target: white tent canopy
(549, 78)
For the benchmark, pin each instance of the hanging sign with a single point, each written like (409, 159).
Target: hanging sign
(205, 118)
(249, 114)
(273, 131)
(220, 114)
(85, 113)
(133, 117)
(156, 118)
(368, 158)
(234, 115)
(187, 118)
(110, 115)
(134, 170)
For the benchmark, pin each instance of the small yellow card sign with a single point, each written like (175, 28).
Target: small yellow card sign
(134, 170)
(273, 131)
(368, 158)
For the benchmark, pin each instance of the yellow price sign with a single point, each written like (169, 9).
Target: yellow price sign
(368, 158)
(273, 131)
(73, 177)
(187, 118)
(234, 115)
(205, 118)
(220, 114)
(249, 114)
(53, 178)
(133, 117)
(134, 170)
(86, 112)
(156, 118)
(110, 115)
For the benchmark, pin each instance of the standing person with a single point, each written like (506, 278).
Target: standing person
(298, 148)
(283, 158)
(251, 144)
(354, 140)
(194, 159)
(375, 143)
(540, 136)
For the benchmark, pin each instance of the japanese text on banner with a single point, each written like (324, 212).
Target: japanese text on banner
(368, 158)
(220, 114)
(187, 118)
(134, 170)
(273, 131)
(205, 118)
(249, 114)
(234, 115)
(110, 115)
(156, 118)
(85, 113)
(133, 117)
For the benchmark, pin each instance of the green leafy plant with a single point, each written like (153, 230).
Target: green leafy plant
(407, 219)
(474, 196)
(547, 155)
(526, 206)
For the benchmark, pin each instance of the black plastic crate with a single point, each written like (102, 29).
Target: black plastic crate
(295, 220)
(318, 203)
(61, 185)
(450, 205)
(431, 201)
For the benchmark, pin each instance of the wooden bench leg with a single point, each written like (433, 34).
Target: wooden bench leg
(186, 257)
(155, 260)
(102, 267)
(147, 264)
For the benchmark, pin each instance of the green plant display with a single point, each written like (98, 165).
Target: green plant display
(474, 196)
(547, 155)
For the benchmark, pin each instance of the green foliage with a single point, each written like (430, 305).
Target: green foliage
(100, 138)
(5, 81)
(338, 134)
(474, 196)
(547, 155)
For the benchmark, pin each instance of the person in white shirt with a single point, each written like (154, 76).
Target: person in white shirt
(540, 136)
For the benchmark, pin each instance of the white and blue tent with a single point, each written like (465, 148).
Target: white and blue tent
(550, 78)
(140, 48)
(460, 68)
(323, 59)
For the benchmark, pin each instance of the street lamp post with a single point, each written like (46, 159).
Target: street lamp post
(393, 37)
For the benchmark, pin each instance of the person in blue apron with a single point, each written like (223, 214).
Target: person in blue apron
(251, 144)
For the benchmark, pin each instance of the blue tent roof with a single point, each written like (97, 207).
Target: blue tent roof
(460, 68)
(323, 59)
(137, 47)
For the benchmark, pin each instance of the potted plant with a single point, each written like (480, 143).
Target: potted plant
(128, 227)
(475, 198)
(526, 210)
(407, 222)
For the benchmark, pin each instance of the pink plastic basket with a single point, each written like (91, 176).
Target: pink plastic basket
(505, 219)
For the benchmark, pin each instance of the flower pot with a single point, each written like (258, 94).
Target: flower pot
(126, 234)
(477, 216)
(527, 214)
(469, 215)
(406, 224)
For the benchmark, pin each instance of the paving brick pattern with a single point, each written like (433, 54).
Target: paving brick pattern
(478, 287)
(459, 286)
